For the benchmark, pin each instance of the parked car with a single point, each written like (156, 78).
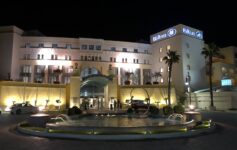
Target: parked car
(136, 104)
(0, 111)
(23, 108)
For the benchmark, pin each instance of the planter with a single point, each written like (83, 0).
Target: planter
(148, 83)
(155, 82)
(127, 82)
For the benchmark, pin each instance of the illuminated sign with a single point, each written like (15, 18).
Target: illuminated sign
(169, 33)
(196, 34)
(226, 82)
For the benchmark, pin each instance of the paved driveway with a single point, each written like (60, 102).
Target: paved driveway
(224, 139)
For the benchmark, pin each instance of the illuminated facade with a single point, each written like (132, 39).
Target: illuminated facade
(40, 59)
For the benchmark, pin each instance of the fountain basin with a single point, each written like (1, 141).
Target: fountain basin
(38, 120)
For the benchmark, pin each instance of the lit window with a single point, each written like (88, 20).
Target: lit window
(161, 70)
(161, 80)
(161, 59)
(161, 50)
(168, 47)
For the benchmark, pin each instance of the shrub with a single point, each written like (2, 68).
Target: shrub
(167, 110)
(182, 100)
(74, 111)
(153, 110)
(129, 110)
(179, 109)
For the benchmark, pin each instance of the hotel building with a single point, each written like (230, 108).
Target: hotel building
(33, 58)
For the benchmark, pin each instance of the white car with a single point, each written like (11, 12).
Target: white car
(23, 108)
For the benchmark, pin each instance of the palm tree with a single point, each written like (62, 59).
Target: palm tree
(171, 58)
(208, 52)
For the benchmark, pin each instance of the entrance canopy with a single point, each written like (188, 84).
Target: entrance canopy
(97, 80)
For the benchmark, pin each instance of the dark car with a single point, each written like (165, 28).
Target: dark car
(139, 104)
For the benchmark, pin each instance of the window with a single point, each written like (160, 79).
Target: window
(122, 59)
(68, 46)
(144, 61)
(187, 45)
(92, 58)
(56, 57)
(124, 49)
(161, 70)
(146, 51)
(41, 44)
(84, 47)
(52, 57)
(70, 58)
(135, 50)
(54, 45)
(188, 67)
(113, 48)
(188, 56)
(66, 57)
(99, 58)
(161, 80)
(134, 60)
(85, 58)
(137, 61)
(114, 59)
(111, 59)
(161, 50)
(38, 56)
(91, 47)
(161, 59)
(42, 56)
(168, 47)
(126, 60)
(96, 58)
(82, 57)
(27, 45)
(98, 47)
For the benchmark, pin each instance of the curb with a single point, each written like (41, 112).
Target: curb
(125, 137)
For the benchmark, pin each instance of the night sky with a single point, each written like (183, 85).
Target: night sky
(125, 21)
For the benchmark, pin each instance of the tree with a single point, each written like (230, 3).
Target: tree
(171, 58)
(209, 52)
(156, 76)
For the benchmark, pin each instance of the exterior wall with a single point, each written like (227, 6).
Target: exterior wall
(222, 100)
(18, 92)
(157, 94)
